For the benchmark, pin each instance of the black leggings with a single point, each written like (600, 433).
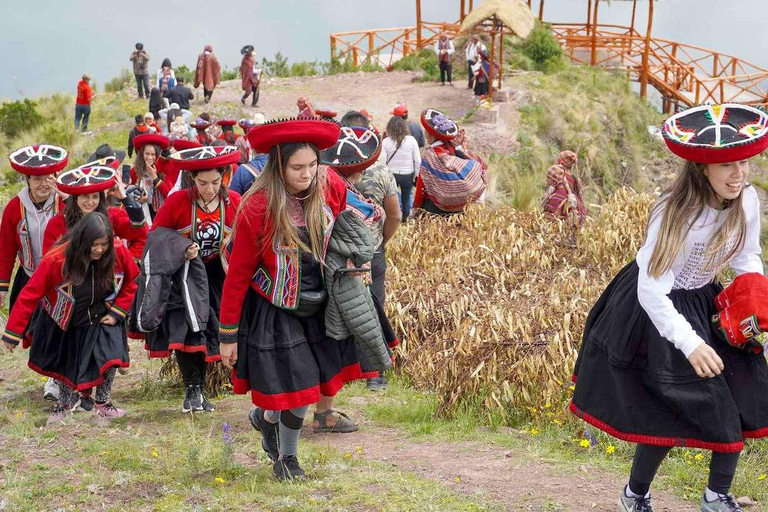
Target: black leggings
(648, 458)
(192, 366)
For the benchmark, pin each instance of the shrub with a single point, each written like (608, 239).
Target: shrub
(185, 72)
(305, 68)
(424, 60)
(542, 48)
(230, 74)
(120, 82)
(18, 116)
(278, 67)
(58, 132)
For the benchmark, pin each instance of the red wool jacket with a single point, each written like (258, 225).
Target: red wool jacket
(48, 284)
(274, 273)
(14, 240)
(134, 235)
(179, 212)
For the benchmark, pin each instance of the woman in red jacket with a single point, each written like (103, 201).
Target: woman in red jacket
(87, 187)
(272, 307)
(151, 172)
(26, 216)
(84, 286)
(204, 211)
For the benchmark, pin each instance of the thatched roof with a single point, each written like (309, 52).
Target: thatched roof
(515, 14)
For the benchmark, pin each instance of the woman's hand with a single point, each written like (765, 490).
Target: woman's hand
(351, 264)
(228, 353)
(192, 251)
(119, 191)
(152, 171)
(109, 320)
(144, 197)
(706, 362)
(9, 346)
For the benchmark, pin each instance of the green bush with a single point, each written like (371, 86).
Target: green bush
(305, 68)
(424, 60)
(18, 116)
(337, 66)
(230, 74)
(542, 48)
(58, 132)
(120, 82)
(278, 67)
(185, 72)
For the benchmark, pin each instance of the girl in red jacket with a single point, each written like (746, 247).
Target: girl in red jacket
(152, 173)
(26, 216)
(272, 307)
(204, 211)
(86, 187)
(84, 287)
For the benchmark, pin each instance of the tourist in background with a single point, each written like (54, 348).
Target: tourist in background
(180, 94)
(140, 59)
(155, 102)
(249, 76)
(166, 80)
(135, 131)
(414, 128)
(83, 102)
(401, 155)
(444, 49)
(207, 72)
(472, 53)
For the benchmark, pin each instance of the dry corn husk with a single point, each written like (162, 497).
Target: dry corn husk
(491, 305)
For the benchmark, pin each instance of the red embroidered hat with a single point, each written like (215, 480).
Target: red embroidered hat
(182, 144)
(151, 138)
(39, 160)
(85, 180)
(356, 149)
(742, 317)
(439, 125)
(712, 134)
(205, 157)
(323, 133)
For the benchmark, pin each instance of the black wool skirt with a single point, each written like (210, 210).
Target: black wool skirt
(19, 282)
(175, 332)
(79, 356)
(286, 361)
(635, 385)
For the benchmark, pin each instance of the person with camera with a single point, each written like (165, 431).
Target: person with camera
(140, 59)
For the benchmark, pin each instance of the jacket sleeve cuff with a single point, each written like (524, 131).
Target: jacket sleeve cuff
(117, 312)
(4, 285)
(228, 333)
(11, 337)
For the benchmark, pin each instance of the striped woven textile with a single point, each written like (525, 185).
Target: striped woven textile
(452, 182)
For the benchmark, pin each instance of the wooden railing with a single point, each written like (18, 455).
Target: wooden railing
(684, 74)
(385, 45)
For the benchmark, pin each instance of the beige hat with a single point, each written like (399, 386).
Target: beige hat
(258, 118)
(86, 77)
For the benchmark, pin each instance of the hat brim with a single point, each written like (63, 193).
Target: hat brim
(687, 134)
(39, 160)
(154, 139)
(205, 158)
(322, 133)
(108, 161)
(86, 180)
(326, 113)
(203, 126)
(182, 144)
(227, 122)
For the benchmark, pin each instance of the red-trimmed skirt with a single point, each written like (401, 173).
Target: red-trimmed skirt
(635, 385)
(286, 361)
(79, 356)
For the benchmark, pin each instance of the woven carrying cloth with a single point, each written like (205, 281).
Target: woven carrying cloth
(452, 182)
(711, 134)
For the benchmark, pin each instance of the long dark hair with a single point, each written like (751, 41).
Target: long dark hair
(138, 163)
(397, 129)
(73, 213)
(155, 101)
(77, 245)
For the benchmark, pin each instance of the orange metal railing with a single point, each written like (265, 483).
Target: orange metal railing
(385, 45)
(684, 74)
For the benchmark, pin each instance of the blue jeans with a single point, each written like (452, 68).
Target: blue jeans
(405, 184)
(82, 112)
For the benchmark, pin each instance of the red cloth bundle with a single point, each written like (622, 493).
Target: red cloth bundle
(742, 317)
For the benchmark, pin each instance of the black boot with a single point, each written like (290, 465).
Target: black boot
(288, 468)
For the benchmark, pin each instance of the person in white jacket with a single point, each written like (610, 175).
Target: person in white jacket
(472, 54)
(654, 368)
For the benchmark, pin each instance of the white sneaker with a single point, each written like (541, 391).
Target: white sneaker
(51, 390)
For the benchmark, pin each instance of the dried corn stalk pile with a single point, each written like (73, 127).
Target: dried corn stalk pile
(492, 304)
